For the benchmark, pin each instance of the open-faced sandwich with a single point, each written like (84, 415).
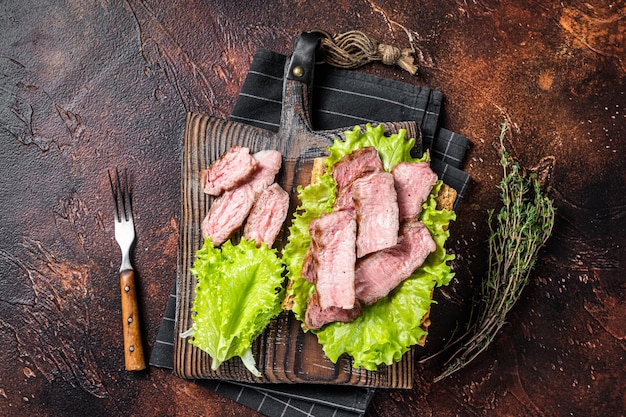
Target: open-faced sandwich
(366, 248)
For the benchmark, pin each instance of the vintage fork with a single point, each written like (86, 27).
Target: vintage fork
(125, 237)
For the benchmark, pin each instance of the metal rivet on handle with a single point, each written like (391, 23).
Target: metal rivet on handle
(132, 348)
(130, 320)
(127, 288)
(297, 71)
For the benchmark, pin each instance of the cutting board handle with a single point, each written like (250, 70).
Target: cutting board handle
(297, 85)
(295, 120)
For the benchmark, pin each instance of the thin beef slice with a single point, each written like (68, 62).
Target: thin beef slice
(378, 274)
(413, 182)
(227, 213)
(376, 208)
(268, 165)
(231, 169)
(332, 259)
(267, 216)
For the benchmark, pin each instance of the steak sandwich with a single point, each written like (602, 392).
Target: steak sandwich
(366, 248)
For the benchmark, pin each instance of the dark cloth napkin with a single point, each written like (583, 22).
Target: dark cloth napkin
(341, 98)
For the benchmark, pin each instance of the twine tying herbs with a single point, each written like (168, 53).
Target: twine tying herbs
(354, 49)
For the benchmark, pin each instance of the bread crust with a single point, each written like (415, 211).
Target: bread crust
(318, 169)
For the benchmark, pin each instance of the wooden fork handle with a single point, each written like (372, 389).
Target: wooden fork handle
(133, 347)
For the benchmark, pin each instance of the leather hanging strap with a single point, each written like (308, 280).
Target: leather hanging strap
(303, 58)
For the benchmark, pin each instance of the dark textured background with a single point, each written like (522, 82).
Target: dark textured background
(87, 85)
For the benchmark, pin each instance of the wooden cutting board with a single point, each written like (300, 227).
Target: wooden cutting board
(284, 353)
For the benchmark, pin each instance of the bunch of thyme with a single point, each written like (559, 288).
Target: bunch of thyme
(522, 226)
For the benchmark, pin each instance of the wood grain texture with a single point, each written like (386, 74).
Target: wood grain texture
(133, 345)
(283, 353)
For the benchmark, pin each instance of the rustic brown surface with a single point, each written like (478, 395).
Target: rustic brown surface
(85, 86)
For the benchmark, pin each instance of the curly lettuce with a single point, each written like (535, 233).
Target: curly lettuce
(239, 290)
(387, 329)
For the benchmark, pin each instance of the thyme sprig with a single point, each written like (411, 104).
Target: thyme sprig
(522, 226)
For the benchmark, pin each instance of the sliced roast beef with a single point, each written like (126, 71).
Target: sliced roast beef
(413, 181)
(332, 259)
(352, 165)
(344, 200)
(227, 213)
(309, 265)
(316, 317)
(376, 208)
(268, 165)
(267, 215)
(232, 168)
(378, 274)
(230, 210)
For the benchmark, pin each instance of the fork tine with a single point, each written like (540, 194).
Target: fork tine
(127, 198)
(120, 195)
(114, 193)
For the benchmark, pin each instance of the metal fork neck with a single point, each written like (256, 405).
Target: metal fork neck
(126, 265)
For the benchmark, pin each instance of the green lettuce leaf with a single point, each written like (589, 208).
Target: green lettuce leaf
(316, 199)
(239, 290)
(387, 329)
(391, 149)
